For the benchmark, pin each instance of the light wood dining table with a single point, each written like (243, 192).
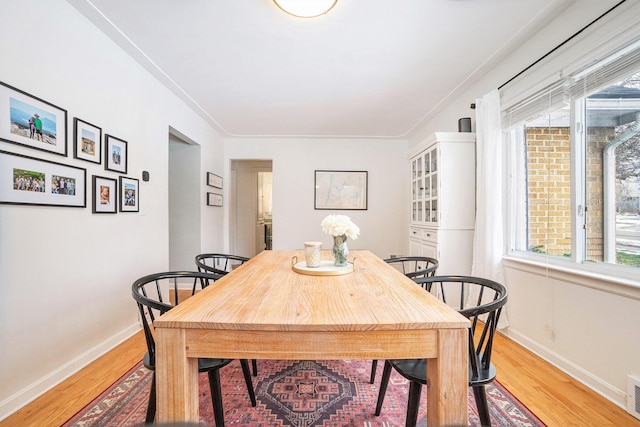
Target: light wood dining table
(265, 310)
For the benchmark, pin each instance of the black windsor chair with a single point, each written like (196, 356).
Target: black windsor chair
(219, 263)
(158, 293)
(484, 312)
(222, 264)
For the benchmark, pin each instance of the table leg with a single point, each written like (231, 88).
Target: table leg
(448, 390)
(176, 378)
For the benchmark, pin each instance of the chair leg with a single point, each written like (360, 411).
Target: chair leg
(216, 397)
(386, 373)
(480, 395)
(151, 407)
(254, 365)
(415, 389)
(247, 379)
(374, 367)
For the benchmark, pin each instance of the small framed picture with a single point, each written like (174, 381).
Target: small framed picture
(31, 121)
(214, 199)
(105, 195)
(87, 141)
(214, 180)
(26, 180)
(115, 158)
(129, 195)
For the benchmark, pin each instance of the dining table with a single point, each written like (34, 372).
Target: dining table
(269, 309)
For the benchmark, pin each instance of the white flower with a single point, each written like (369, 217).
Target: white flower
(337, 225)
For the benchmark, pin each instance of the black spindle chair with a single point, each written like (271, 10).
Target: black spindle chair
(158, 293)
(222, 264)
(219, 263)
(481, 301)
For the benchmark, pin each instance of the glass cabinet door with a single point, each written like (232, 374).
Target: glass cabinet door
(424, 187)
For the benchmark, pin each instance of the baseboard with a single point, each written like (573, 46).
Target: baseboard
(36, 389)
(606, 390)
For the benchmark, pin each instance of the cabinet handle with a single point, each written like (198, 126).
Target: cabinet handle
(428, 234)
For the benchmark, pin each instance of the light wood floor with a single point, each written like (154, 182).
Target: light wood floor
(552, 395)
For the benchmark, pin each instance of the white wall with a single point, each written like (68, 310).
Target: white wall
(384, 226)
(184, 204)
(582, 326)
(65, 273)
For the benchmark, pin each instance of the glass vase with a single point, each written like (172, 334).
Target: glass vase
(340, 250)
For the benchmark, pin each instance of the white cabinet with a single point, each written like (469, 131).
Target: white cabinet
(443, 201)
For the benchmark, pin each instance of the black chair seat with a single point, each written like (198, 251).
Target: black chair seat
(416, 370)
(203, 364)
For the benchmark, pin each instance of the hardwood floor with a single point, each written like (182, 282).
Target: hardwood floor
(549, 393)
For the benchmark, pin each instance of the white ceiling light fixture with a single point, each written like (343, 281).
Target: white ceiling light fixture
(306, 8)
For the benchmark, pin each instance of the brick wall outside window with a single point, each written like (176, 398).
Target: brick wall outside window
(549, 190)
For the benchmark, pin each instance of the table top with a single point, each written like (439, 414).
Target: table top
(265, 294)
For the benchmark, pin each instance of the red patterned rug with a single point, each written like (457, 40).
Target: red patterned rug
(294, 393)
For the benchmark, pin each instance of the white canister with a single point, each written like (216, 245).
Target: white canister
(312, 253)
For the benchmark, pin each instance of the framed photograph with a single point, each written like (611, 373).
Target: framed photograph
(87, 141)
(31, 121)
(214, 199)
(214, 180)
(105, 195)
(26, 180)
(129, 195)
(115, 154)
(341, 190)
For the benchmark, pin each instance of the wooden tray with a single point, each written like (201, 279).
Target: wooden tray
(326, 268)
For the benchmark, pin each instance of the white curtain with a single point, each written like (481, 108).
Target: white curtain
(488, 240)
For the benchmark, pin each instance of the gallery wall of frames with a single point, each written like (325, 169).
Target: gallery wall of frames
(32, 122)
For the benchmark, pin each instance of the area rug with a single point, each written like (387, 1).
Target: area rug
(296, 394)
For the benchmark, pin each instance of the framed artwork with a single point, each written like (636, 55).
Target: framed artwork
(31, 121)
(105, 195)
(214, 180)
(26, 180)
(340, 190)
(87, 141)
(129, 195)
(115, 154)
(214, 199)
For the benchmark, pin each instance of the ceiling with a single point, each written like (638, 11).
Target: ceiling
(368, 68)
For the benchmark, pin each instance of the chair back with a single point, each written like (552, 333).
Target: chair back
(414, 266)
(158, 293)
(219, 263)
(481, 301)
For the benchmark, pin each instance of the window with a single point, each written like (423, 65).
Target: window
(575, 166)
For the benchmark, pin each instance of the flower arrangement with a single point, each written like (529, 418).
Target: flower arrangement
(340, 225)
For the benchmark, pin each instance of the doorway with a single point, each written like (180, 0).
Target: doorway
(250, 212)
(184, 202)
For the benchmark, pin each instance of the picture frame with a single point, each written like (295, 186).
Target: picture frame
(105, 195)
(26, 180)
(341, 190)
(214, 180)
(129, 194)
(214, 199)
(87, 141)
(31, 121)
(115, 154)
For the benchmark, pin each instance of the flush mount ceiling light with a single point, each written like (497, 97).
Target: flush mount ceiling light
(306, 8)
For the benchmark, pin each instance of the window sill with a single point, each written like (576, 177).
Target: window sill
(602, 280)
